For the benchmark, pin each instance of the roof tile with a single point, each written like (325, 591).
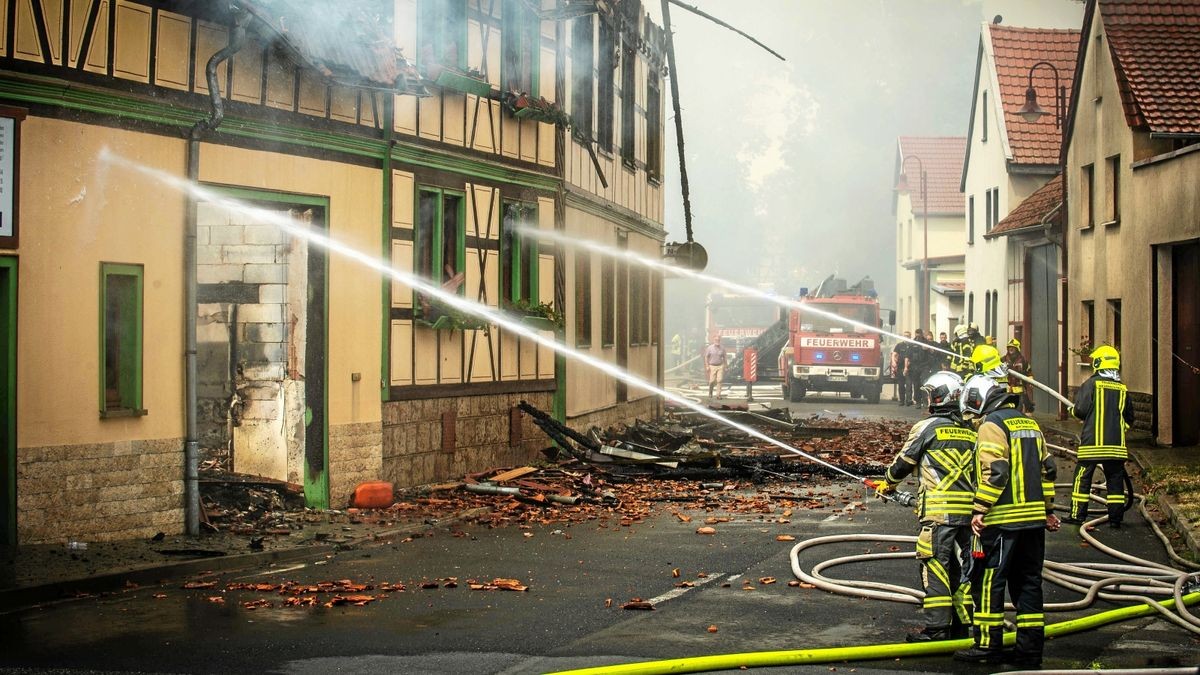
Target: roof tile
(942, 157)
(1033, 210)
(1016, 50)
(1156, 50)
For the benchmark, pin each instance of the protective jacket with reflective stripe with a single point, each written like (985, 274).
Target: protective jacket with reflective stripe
(1016, 473)
(1103, 405)
(941, 448)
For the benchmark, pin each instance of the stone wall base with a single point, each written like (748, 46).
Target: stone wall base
(644, 409)
(99, 491)
(355, 456)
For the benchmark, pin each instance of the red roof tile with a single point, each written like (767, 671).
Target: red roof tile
(942, 157)
(1156, 51)
(1016, 50)
(1033, 210)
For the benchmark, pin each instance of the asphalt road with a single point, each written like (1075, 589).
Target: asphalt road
(564, 620)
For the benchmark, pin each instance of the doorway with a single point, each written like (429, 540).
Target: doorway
(1041, 278)
(8, 401)
(1185, 335)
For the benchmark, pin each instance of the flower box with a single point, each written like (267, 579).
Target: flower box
(467, 84)
(539, 322)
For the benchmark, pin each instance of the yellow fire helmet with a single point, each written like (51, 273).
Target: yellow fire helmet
(1105, 357)
(986, 359)
(1014, 343)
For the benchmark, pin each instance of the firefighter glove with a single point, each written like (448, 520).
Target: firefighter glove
(883, 488)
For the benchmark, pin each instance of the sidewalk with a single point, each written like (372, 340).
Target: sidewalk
(41, 573)
(1155, 464)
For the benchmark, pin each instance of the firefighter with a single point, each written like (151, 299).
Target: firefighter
(963, 346)
(941, 449)
(1013, 506)
(1016, 362)
(1102, 402)
(986, 360)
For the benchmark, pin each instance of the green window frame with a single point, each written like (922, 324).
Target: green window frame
(434, 242)
(441, 34)
(518, 254)
(520, 48)
(121, 325)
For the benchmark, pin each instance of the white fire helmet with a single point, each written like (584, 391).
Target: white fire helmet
(944, 388)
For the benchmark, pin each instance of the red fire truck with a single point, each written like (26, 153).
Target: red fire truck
(738, 319)
(825, 353)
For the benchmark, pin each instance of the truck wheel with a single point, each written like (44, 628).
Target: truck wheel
(873, 395)
(796, 391)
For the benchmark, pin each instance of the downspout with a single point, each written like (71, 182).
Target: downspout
(191, 444)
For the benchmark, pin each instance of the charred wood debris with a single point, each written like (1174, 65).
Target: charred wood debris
(683, 460)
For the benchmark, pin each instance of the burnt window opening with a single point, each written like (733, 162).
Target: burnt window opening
(605, 83)
(628, 88)
(121, 329)
(608, 326)
(653, 127)
(583, 77)
(439, 245)
(519, 254)
(583, 299)
(441, 35)
(521, 38)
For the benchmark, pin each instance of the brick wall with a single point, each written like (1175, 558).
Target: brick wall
(354, 456)
(439, 439)
(100, 492)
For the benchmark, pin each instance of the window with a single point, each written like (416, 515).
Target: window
(656, 315)
(1087, 320)
(121, 340)
(583, 299)
(606, 94)
(995, 207)
(983, 132)
(1085, 196)
(971, 220)
(608, 327)
(628, 86)
(639, 306)
(582, 76)
(987, 313)
(987, 212)
(1114, 323)
(653, 127)
(995, 314)
(439, 243)
(442, 34)
(518, 254)
(970, 307)
(1112, 192)
(521, 46)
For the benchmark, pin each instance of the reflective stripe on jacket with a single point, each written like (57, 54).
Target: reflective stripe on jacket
(942, 450)
(1015, 471)
(1103, 405)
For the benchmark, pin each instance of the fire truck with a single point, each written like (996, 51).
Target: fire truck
(825, 352)
(738, 319)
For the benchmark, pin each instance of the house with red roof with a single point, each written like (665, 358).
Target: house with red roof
(929, 219)
(1132, 161)
(1012, 273)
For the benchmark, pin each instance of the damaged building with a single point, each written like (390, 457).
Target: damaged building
(147, 330)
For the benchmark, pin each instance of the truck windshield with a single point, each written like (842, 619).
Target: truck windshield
(819, 323)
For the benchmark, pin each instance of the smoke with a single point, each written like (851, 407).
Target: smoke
(784, 112)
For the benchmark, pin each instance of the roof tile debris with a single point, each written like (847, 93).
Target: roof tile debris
(1016, 50)
(1156, 52)
(1033, 210)
(942, 157)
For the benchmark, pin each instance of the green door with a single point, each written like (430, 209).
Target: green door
(8, 401)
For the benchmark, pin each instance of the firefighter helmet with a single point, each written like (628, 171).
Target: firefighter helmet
(960, 331)
(973, 327)
(981, 395)
(987, 361)
(1105, 357)
(1015, 343)
(944, 388)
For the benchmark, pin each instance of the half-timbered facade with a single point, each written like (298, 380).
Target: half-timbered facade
(427, 133)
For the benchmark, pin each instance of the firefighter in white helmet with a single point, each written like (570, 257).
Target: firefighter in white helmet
(940, 448)
(1013, 506)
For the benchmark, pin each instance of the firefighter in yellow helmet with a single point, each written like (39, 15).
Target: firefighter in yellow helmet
(963, 345)
(1102, 402)
(985, 360)
(1016, 362)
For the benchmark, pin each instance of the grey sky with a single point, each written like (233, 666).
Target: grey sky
(791, 163)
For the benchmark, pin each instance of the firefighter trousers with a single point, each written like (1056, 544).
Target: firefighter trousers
(1012, 561)
(1081, 488)
(945, 555)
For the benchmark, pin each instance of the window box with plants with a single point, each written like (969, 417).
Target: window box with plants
(537, 315)
(470, 81)
(535, 108)
(438, 316)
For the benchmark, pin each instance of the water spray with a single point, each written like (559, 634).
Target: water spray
(490, 314)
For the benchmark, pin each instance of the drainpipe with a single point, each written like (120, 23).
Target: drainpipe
(191, 443)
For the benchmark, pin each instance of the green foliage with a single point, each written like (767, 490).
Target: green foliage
(540, 310)
(528, 107)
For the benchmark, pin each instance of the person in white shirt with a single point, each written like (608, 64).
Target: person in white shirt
(714, 365)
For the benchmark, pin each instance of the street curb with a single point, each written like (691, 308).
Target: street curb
(20, 598)
(1164, 502)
